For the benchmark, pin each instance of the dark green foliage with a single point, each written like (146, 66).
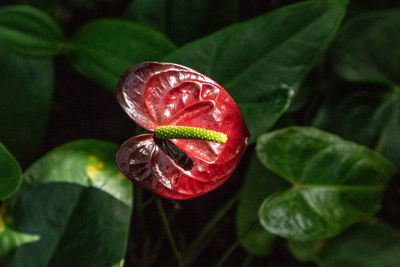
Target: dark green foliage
(183, 21)
(26, 86)
(73, 201)
(336, 183)
(281, 47)
(104, 49)
(371, 243)
(367, 48)
(11, 174)
(29, 31)
(367, 51)
(291, 66)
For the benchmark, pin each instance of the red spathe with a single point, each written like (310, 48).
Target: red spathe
(155, 94)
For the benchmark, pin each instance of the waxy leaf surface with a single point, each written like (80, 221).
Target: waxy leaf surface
(29, 31)
(367, 244)
(335, 182)
(11, 173)
(158, 94)
(370, 243)
(305, 251)
(73, 209)
(26, 88)
(368, 48)
(262, 61)
(371, 119)
(183, 21)
(104, 49)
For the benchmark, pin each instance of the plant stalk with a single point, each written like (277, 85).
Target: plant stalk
(168, 232)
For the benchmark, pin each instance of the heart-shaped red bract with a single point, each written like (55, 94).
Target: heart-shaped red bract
(157, 94)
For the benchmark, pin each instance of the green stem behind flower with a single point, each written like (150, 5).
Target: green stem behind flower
(168, 231)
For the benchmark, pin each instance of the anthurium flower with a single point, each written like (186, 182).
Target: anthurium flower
(199, 135)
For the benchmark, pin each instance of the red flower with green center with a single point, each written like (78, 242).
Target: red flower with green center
(199, 134)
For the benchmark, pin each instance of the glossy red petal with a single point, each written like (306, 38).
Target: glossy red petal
(175, 183)
(134, 85)
(134, 160)
(135, 157)
(155, 94)
(165, 169)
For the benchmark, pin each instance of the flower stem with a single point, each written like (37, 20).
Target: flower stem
(168, 232)
(184, 132)
(196, 247)
(227, 253)
(232, 248)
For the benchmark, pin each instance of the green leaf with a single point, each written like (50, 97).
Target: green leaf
(389, 141)
(29, 31)
(357, 118)
(26, 87)
(183, 21)
(261, 62)
(11, 173)
(259, 183)
(369, 119)
(368, 48)
(73, 209)
(104, 49)
(366, 244)
(305, 251)
(336, 183)
(46, 5)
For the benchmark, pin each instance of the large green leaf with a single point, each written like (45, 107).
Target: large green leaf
(305, 251)
(262, 61)
(29, 31)
(389, 142)
(47, 5)
(11, 173)
(335, 182)
(367, 244)
(356, 117)
(369, 119)
(104, 49)
(26, 86)
(183, 21)
(368, 48)
(73, 209)
(259, 183)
